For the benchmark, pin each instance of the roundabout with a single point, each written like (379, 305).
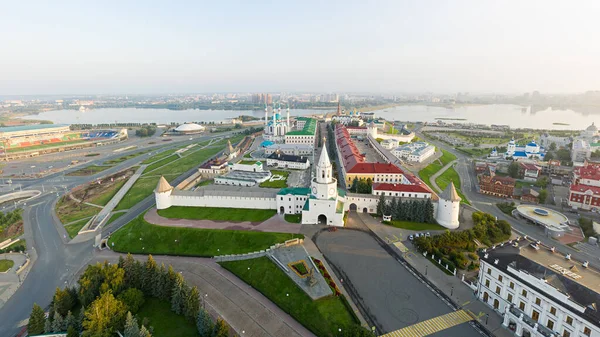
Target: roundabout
(555, 223)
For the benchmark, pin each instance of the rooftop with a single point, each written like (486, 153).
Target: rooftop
(580, 284)
(310, 127)
(278, 155)
(294, 191)
(400, 188)
(370, 168)
(584, 188)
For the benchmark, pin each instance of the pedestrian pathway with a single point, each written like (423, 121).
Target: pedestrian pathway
(438, 173)
(452, 286)
(432, 326)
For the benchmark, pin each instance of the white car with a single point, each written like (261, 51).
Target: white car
(427, 234)
(410, 237)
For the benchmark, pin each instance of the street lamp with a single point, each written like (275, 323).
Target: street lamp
(452, 291)
(204, 301)
(426, 269)
(486, 318)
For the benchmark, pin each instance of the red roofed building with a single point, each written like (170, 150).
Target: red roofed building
(529, 172)
(402, 190)
(588, 174)
(584, 196)
(496, 185)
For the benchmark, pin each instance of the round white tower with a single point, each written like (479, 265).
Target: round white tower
(448, 207)
(372, 130)
(162, 194)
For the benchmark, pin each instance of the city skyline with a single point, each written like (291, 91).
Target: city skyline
(80, 48)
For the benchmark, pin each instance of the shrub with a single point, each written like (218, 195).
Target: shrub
(133, 298)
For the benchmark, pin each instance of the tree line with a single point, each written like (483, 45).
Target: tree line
(363, 186)
(146, 131)
(451, 246)
(111, 294)
(410, 210)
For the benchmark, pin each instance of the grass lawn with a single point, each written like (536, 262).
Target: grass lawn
(160, 163)
(191, 241)
(323, 317)
(45, 146)
(88, 171)
(159, 156)
(142, 188)
(165, 322)
(114, 217)
(68, 212)
(217, 213)
(104, 198)
(74, 228)
(415, 226)
(6, 265)
(277, 183)
(474, 152)
(451, 175)
(293, 218)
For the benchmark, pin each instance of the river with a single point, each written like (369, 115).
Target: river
(502, 114)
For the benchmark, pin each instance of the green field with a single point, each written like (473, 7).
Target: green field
(451, 175)
(6, 265)
(126, 157)
(142, 188)
(426, 173)
(71, 214)
(89, 170)
(45, 146)
(415, 226)
(277, 183)
(191, 241)
(74, 228)
(520, 184)
(165, 322)
(105, 197)
(323, 317)
(159, 156)
(160, 163)
(293, 218)
(474, 152)
(217, 213)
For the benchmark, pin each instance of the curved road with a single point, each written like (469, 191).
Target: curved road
(55, 261)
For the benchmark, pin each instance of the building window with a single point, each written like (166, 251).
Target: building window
(524, 293)
(512, 285)
(489, 271)
(487, 283)
(569, 320)
(500, 278)
(535, 315)
(522, 306)
(566, 333)
(538, 301)
(553, 311)
(497, 290)
(550, 324)
(509, 298)
(587, 331)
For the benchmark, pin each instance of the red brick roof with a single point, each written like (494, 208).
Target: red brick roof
(381, 168)
(400, 188)
(529, 166)
(590, 172)
(583, 188)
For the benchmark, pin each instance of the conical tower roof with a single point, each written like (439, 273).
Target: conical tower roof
(163, 185)
(324, 158)
(450, 193)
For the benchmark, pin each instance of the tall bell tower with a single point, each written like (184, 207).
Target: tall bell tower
(324, 185)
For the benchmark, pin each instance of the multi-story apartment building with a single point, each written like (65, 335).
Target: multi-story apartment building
(584, 191)
(540, 292)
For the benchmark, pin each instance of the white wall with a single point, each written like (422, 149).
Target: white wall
(223, 201)
(292, 204)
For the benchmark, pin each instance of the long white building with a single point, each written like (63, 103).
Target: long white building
(540, 292)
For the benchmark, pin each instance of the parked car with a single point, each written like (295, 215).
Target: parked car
(410, 237)
(427, 234)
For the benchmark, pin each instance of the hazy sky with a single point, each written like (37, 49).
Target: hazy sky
(61, 47)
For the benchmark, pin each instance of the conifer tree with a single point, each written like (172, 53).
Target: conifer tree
(48, 326)
(149, 276)
(80, 319)
(204, 324)
(72, 332)
(144, 332)
(57, 322)
(381, 205)
(131, 326)
(429, 211)
(70, 321)
(162, 283)
(37, 320)
(221, 329)
(178, 295)
(192, 304)
(171, 276)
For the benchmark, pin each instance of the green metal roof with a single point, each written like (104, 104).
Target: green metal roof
(341, 192)
(310, 127)
(30, 127)
(294, 191)
(306, 205)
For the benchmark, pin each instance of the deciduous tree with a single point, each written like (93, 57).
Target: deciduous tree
(104, 316)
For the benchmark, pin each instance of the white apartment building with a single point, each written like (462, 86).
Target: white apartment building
(581, 151)
(414, 152)
(539, 291)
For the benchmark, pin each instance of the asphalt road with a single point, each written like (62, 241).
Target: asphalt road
(57, 261)
(388, 290)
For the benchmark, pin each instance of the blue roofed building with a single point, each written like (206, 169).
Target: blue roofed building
(530, 151)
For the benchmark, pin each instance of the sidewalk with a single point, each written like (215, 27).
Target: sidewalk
(451, 286)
